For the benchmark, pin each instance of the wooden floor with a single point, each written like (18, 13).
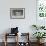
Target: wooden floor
(13, 44)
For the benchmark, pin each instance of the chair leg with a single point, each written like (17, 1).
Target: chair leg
(5, 43)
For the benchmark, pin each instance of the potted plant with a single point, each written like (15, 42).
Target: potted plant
(39, 35)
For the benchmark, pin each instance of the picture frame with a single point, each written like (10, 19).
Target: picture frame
(17, 13)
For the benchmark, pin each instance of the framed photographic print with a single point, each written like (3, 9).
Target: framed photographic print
(17, 13)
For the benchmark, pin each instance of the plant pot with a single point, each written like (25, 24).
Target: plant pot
(40, 41)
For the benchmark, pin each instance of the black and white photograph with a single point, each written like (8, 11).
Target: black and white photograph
(17, 13)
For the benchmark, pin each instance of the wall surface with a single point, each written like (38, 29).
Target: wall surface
(23, 24)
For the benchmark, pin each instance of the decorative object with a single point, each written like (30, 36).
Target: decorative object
(39, 35)
(17, 13)
(14, 30)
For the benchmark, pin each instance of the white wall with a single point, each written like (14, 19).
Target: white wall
(23, 24)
